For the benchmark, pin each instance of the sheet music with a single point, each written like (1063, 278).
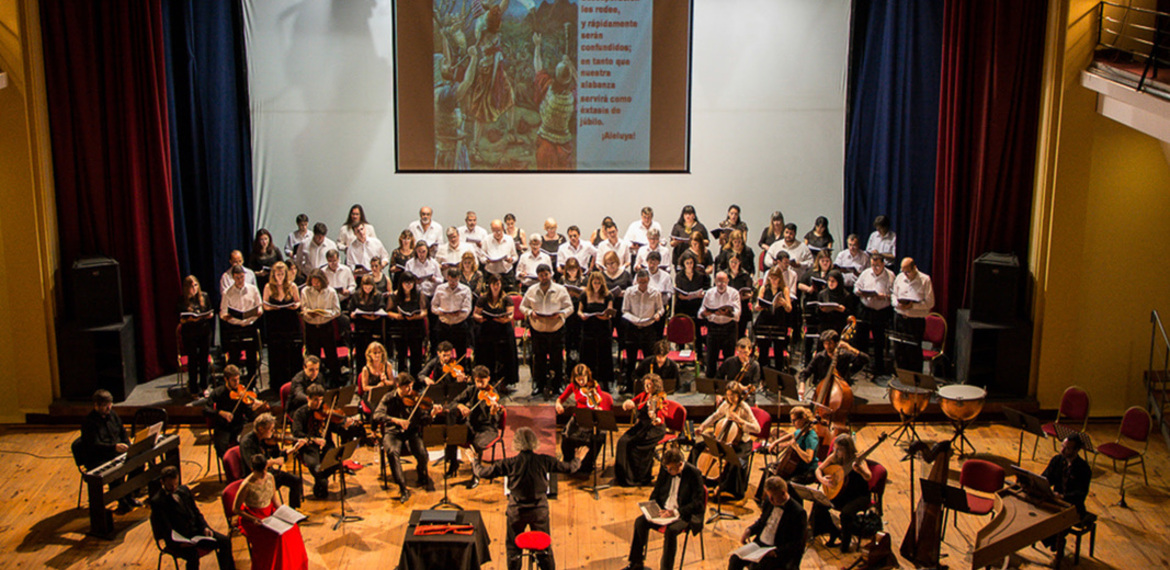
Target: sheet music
(653, 513)
(752, 552)
(283, 519)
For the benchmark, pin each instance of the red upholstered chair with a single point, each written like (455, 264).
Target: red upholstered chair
(936, 335)
(228, 501)
(877, 484)
(532, 542)
(680, 330)
(981, 479)
(210, 420)
(1074, 410)
(285, 394)
(760, 439)
(518, 329)
(233, 464)
(675, 422)
(1135, 426)
(499, 441)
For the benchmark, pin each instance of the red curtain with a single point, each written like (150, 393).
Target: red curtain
(988, 115)
(105, 74)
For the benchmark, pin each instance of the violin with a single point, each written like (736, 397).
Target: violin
(490, 396)
(656, 406)
(453, 369)
(246, 397)
(416, 401)
(593, 397)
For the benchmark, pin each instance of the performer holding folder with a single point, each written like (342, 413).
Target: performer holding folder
(256, 501)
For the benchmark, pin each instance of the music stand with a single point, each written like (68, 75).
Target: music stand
(444, 435)
(670, 385)
(596, 421)
(1026, 424)
(781, 383)
(710, 386)
(907, 341)
(1064, 432)
(807, 493)
(375, 396)
(336, 457)
(953, 498)
(726, 455)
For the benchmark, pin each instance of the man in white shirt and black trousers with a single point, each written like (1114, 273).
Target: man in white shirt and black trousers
(641, 313)
(913, 298)
(237, 323)
(721, 310)
(782, 525)
(873, 288)
(452, 305)
(678, 491)
(546, 305)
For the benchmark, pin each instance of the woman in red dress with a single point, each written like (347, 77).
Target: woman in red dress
(256, 500)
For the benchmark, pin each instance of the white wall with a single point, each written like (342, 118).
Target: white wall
(767, 133)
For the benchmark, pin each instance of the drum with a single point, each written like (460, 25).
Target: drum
(961, 403)
(908, 400)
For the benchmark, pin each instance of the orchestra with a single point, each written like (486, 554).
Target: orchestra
(434, 338)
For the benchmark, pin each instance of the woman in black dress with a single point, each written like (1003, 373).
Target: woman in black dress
(400, 256)
(366, 328)
(819, 238)
(680, 235)
(736, 246)
(408, 314)
(573, 278)
(774, 302)
(698, 250)
(264, 255)
(596, 314)
(282, 304)
(196, 316)
(809, 287)
(834, 317)
(850, 501)
(634, 455)
(495, 345)
(742, 281)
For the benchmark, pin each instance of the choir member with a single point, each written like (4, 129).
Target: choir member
(721, 310)
(196, 316)
(913, 298)
(349, 229)
(596, 312)
(546, 305)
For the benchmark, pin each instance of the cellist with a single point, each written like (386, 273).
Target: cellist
(850, 361)
(732, 423)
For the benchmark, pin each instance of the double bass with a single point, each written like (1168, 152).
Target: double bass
(834, 397)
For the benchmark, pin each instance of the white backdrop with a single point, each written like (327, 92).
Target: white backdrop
(767, 131)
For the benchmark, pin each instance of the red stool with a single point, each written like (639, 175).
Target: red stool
(532, 542)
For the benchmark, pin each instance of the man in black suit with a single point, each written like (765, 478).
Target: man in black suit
(678, 491)
(782, 524)
(173, 510)
(103, 437)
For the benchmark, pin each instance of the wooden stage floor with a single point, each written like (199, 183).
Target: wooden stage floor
(41, 526)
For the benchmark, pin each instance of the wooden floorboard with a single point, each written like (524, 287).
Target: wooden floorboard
(40, 525)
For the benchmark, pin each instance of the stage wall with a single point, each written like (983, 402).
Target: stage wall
(767, 133)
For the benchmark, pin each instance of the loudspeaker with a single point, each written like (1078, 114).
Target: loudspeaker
(995, 288)
(97, 291)
(97, 357)
(995, 356)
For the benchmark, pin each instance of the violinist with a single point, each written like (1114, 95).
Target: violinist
(849, 362)
(309, 375)
(743, 369)
(634, 455)
(231, 406)
(263, 440)
(443, 366)
(659, 364)
(732, 423)
(586, 394)
(315, 422)
(479, 407)
(402, 431)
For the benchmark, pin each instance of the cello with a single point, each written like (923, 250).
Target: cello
(833, 397)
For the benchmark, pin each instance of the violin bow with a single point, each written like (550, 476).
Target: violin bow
(248, 386)
(493, 386)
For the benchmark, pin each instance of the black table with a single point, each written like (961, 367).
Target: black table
(447, 551)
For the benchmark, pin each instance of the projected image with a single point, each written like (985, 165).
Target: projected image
(505, 79)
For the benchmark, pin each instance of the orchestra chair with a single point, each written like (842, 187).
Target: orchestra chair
(675, 422)
(78, 458)
(936, 334)
(165, 550)
(1074, 409)
(680, 331)
(210, 421)
(1135, 427)
(759, 440)
(696, 529)
(501, 426)
(285, 394)
(148, 416)
(227, 500)
(532, 542)
(233, 464)
(877, 485)
(981, 480)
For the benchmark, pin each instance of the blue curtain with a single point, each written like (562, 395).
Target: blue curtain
(211, 149)
(892, 121)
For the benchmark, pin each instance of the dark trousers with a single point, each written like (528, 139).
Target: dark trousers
(720, 339)
(597, 354)
(576, 437)
(395, 442)
(875, 322)
(527, 518)
(458, 334)
(548, 358)
(496, 350)
(224, 437)
(296, 487)
(771, 333)
(642, 529)
(414, 346)
(197, 346)
(323, 338)
(284, 358)
(909, 356)
(311, 456)
(480, 440)
(223, 552)
(241, 341)
(638, 338)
